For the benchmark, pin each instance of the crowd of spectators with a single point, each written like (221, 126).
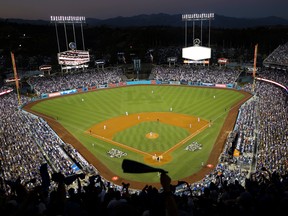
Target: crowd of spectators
(166, 52)
(88, 78)
(279, 56)
(279, 76)
(28, 144)
(26, 138)
(272, 131)
(204, 74)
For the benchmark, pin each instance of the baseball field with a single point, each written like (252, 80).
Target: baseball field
(151, 124)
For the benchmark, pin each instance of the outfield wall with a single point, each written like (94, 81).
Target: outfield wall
(130, 83)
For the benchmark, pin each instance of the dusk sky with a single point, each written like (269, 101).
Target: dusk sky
(103, 9)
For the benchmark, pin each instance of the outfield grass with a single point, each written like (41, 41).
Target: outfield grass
(78, 116)
(169, 136)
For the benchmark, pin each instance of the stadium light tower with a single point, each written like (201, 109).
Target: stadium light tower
(197, 17)
(68, 20)
(72, 57)
(197, 54)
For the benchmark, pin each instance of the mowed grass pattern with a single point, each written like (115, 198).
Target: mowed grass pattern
(77, 116)
(169, 135)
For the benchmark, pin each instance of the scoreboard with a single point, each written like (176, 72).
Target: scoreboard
(73, 57)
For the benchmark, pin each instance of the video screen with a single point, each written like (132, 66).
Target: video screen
(73, 57)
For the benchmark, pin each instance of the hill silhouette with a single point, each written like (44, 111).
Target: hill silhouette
(163, 19)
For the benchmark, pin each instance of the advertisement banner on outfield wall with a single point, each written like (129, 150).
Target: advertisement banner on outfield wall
(71, 91)
(174, 83)
(122, 84)
(112, 85)
(93, 87)
(184, 82)
(140, 82)
(220, 85)
(44, 96)
(158, 82)
(192, 83)
(207, 84)
(54, 94)
(165, 82)
(230, 85)
(102, 86)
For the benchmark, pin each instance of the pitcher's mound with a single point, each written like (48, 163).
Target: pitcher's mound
(152, 135)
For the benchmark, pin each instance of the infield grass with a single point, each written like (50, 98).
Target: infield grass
(78, 115)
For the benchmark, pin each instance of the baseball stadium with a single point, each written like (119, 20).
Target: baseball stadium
(208, 139)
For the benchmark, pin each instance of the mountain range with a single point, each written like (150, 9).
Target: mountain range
(162, 19)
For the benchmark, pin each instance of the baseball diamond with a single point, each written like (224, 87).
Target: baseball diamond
(123, 122)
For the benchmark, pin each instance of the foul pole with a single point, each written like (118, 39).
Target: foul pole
(16, 78)
(254, 67)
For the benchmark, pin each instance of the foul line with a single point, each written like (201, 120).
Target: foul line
(120, 144)
(186, 139)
